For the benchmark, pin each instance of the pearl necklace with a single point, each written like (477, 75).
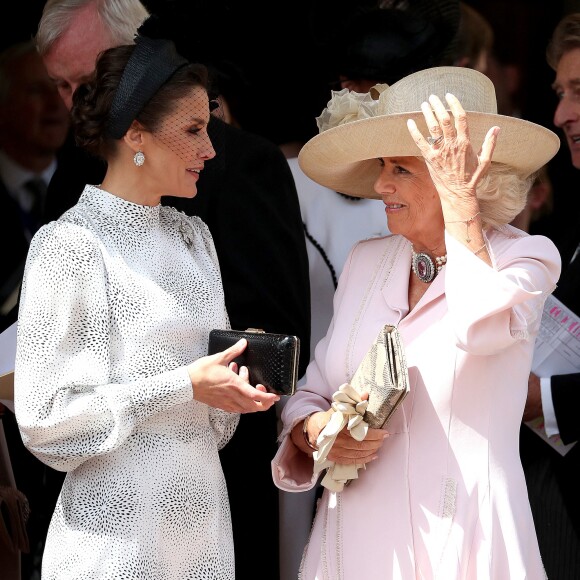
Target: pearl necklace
(424, 267)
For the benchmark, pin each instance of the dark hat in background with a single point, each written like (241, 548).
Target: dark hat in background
(195, 26)
(204, 43)
(383, 41)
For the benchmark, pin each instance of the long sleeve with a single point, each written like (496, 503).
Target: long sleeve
(118, 299)
(292, 470)
(68, 409)
(480, 309)
(506, 301)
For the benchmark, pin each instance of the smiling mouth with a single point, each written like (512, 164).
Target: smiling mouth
(394, 205)
(194, 171)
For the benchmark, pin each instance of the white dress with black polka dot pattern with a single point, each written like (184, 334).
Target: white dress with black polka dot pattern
(117, 298)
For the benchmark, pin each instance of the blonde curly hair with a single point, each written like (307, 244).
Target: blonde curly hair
(502, 194)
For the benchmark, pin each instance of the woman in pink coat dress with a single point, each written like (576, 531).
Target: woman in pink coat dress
(442, 493)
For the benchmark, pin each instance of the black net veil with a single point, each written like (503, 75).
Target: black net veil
(155, 79)
(185, 131)
(166, 22)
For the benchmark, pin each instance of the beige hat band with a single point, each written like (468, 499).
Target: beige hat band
(474, 91)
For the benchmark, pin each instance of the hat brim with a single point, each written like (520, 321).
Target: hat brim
(344, 158)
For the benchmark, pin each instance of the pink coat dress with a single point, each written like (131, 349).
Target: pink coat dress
(446, 499)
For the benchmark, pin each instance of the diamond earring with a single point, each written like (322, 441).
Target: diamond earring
(139, 158)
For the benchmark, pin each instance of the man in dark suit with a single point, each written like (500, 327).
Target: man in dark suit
(552, 478)
(13, 260)
(248, 199)
(33, 126)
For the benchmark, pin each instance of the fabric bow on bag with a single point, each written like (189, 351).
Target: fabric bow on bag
(349, 410)
(384, 376)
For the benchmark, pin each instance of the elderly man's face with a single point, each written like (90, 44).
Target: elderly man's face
(71, 59)
(567, 115)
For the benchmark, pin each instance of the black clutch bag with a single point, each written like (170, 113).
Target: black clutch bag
(272, 359)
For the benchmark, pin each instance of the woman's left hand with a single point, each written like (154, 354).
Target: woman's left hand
(454, 166)
(347, 450)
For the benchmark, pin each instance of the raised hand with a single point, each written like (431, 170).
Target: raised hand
(454, 166)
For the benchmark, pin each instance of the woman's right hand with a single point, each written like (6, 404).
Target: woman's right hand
(217, 383)
(345, 449)
(455, 167)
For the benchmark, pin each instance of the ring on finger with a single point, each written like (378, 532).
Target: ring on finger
(434, 140)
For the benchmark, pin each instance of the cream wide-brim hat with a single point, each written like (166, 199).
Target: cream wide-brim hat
(345, 157)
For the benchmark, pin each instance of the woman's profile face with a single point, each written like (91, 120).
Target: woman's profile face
(181, 145)
(411, 201)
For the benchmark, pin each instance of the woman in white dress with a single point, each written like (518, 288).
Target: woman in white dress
(112, 384)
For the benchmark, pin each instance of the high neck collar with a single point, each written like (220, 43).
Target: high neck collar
(119, 209)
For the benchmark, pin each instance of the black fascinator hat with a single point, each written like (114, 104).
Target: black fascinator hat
(152, 63)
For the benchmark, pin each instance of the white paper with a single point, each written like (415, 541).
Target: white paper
(7, 361)
(556, 352)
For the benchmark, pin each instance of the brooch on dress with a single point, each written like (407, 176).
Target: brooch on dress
(184, 228)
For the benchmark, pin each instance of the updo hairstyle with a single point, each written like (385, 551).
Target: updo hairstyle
(93, 99)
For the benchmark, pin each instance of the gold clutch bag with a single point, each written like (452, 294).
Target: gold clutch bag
(383, 374)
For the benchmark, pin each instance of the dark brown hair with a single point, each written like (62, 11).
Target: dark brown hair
(92, 100)
(566, 37)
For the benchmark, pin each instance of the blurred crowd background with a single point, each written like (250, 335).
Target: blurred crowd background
(278, 55)
(276, 67)
(276, 61)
